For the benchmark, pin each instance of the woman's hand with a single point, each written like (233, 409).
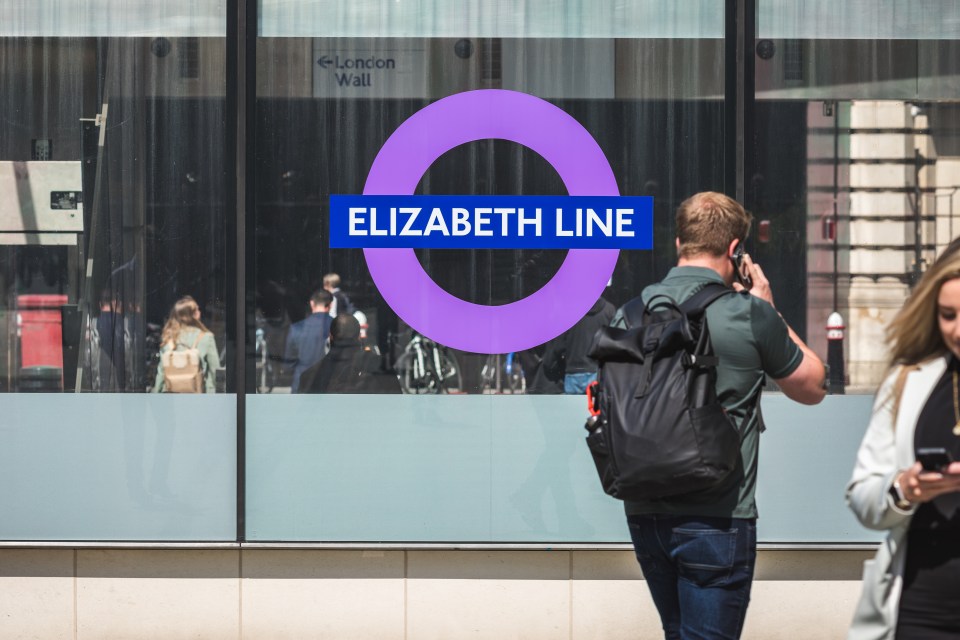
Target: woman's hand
(923, 486)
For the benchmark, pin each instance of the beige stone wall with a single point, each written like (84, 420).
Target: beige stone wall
(368, 594)
(877, 244)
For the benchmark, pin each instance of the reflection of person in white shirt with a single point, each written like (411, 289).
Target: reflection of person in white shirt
(331, 282)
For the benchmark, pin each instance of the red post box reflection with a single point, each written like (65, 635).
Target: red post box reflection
(41, 333)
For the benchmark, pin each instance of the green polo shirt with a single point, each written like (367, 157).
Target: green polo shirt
(750, 339)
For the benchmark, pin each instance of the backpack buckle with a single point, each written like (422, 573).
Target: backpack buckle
(593, 398)
(701, 361)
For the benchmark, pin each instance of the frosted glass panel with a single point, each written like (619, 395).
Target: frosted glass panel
(501, 469)
(103, 18)
(492, 18)
(870, 19)
(118, 467)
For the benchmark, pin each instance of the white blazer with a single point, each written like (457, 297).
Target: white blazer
(885, 451)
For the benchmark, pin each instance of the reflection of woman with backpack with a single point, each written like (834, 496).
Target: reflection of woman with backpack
(188, 352)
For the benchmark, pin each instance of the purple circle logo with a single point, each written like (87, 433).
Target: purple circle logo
(480, 115)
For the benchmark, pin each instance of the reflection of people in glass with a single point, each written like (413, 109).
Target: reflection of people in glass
(341, 303)
(184, 330)
(580, 370)
(307, 339)
(112, 356)
(548, 369)
(914, 495)
(348, 367)
(551, 476)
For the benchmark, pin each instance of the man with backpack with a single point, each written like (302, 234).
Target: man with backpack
(697, 550)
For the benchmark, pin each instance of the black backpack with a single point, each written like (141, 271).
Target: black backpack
(657, 429)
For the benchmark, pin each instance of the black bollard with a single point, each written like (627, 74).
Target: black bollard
(835, 332)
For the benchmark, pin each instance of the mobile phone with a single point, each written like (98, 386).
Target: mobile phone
(739, 268)
(934, 458)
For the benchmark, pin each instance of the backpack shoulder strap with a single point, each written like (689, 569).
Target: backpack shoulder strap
(694, 307)
(633, 312)
(698, 302)
(637, 312)
(196, 340)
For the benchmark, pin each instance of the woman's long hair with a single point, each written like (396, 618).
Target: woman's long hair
(182, 315)
(914, 334)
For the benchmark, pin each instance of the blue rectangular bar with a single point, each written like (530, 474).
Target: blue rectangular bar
(491, 222)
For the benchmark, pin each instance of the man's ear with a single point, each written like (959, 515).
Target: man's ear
(676, 243)
(732, 247)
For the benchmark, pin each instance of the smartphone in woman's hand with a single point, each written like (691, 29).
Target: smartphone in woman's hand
(934, 458)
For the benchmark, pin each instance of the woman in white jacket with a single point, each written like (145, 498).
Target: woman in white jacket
(910, 588)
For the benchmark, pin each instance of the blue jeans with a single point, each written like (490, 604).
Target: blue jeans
(699, 571)
(575, 383)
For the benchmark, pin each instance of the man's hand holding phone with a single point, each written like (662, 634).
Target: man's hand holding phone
(748, 271)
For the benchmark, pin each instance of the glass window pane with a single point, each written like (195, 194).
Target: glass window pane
(112, 171)
(492, 19)
(112, 18)
(857, 165)
(321, 125)
(115, 147)
(330, 92)
(858, 19)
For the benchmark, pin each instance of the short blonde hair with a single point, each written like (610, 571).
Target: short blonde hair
(708, 222)
(331, 280)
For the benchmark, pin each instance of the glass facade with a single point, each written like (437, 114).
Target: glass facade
(113, 164)
(867, 95)
(322, 116)
(113, 174)
(125, 188)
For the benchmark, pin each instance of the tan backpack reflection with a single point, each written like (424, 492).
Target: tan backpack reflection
(182, 372)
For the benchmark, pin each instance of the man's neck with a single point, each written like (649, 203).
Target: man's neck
(720, 264)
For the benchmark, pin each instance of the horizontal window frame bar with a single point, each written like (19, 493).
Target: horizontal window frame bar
(870, 161)
(848, 189)
(902, 131)
(416, 546)
(870, 247)
(876, 276)
(889, 217)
